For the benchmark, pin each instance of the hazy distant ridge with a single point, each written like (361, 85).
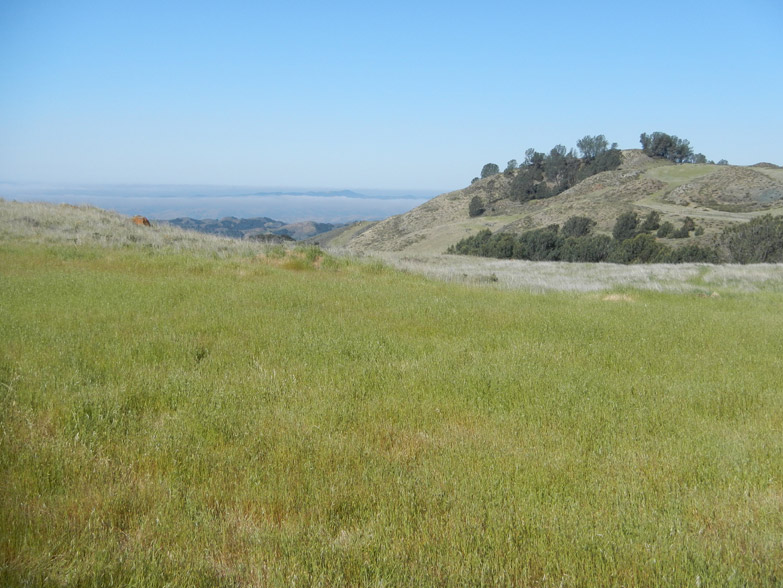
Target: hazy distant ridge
(243, 228)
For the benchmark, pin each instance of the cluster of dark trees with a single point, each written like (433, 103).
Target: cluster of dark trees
(757, 241)
(544, 175)
(631, 242)
(667, 147)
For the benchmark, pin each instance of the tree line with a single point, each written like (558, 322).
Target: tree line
(633, 240)
(543, 175)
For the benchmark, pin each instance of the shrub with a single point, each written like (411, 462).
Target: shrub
(757, 241)
(665, 230)
(652, 221)
(502, 246)
(642, 248)
(541, 244)
(589, 249)
(476, 207)
(578, 226)
(691, 253)
(625, 226)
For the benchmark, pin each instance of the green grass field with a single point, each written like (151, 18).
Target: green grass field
(175, 419)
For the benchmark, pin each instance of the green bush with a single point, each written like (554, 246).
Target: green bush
(691, 253)
(589, 249)
(757, 241)
(652, 221)
(665, 230)
(625, 226)
(476, 207)
(578, 226)
(574, 243)
(643, 248)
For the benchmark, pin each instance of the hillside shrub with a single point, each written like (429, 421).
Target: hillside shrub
(589, 249)
(652, 221)
(757, 241)
(574, 242)
(578, 226)
(541, 244)
(665, 230)
(642, 248)
(625, 226)
(476, 207)
(690, 253)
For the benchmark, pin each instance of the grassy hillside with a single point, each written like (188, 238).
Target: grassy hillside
(714, 196)
(206, 416)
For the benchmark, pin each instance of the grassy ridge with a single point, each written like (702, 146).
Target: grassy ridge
(177, 419)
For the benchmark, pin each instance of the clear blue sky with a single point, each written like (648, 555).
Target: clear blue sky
(397, 95)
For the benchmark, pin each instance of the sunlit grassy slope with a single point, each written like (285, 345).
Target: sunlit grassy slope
(174, 418)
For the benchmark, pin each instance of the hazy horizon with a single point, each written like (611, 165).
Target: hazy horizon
(169, 201)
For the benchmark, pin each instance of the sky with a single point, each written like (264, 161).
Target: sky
(403, 95)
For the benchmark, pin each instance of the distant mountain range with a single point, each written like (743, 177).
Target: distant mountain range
(247, 228)
(343, 194)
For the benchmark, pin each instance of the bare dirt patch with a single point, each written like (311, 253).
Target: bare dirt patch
(617, 298)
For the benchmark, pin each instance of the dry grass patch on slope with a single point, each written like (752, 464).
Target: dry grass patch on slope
(63, 224)
(734, 189)
(553, 276)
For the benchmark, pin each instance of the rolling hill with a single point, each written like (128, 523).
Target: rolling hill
(713, 195)
(243, 228)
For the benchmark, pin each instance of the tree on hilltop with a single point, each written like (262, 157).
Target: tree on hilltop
(592, 147)
(490, 169)
(666, 146)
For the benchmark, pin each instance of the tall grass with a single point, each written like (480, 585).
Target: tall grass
(183, 420)
(209, 416)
